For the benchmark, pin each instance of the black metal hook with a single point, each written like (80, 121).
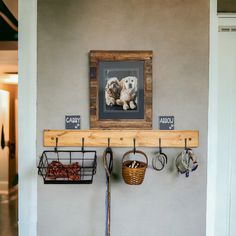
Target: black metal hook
(185, 144)
(82, 149)
(108, 142)
(162, 154)
(134, 150)
(160, 148)
(56, 144)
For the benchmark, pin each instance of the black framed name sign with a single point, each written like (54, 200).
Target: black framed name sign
(167, 122)
(72, 122)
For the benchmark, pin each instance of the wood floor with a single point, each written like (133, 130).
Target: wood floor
(8, 215)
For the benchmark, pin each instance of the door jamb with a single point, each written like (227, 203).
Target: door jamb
(27, 95)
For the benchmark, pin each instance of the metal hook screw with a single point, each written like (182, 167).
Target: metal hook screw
(134, 145)
(160, 148)
(82, 149)
(56, 144)
(185, 144)
(108, 142)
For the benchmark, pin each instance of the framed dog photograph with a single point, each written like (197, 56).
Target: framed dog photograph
(120, 89)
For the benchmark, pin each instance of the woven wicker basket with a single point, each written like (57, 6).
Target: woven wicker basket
(133, 176)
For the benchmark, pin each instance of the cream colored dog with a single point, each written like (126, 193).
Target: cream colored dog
(112, 91)
(128, 96)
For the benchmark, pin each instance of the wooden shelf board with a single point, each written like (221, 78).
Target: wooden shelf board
(121, 138)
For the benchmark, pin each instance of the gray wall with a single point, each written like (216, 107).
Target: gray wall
(166, 204)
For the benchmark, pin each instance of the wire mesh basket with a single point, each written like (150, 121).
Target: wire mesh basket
(67, 167)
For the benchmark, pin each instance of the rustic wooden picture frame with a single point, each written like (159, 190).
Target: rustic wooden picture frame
(95, 60)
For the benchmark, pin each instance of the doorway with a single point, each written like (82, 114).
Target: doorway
(226, 177)
(221, 204)
(8, 160)
(8, 118)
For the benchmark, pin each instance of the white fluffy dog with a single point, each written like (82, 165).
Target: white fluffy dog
(128, 96)
(112, 91)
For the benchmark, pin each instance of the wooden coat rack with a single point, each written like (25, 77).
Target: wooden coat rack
(121, 138)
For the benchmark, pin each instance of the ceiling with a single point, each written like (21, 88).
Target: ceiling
(8, 40)
(12, 5)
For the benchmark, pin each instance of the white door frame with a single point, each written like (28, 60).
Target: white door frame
(218, 216)
(27, 117)
(212, 122)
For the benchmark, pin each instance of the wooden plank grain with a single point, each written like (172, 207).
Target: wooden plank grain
(120, 55)
(121, 138)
